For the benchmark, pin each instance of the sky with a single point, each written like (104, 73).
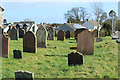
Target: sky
(46, 11)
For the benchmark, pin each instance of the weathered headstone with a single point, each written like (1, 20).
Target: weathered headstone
(67, 34)
(75, 58)
(5, 46)
(29, 42)
(14, 35)
(24, 75)
(17, 54)
(61, 35)
(50, 31)
(41, 37)
(21, 33)
(85, 43)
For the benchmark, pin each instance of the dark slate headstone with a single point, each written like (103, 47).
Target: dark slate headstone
(29, 42)
(85, 43)
(5, 47)
(50, 31)
(17, 54)
(21, 33)
(41, 37)
(25, 27)
(75, 58)
(67, 34)
(14, 35)
(17, 26)
(61, 35)
(24, 75)
(99, 39)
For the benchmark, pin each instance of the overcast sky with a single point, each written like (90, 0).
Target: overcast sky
(49, 11)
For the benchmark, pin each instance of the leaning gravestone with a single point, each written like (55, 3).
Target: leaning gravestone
(85, 44)
(21, 33)
(61, 35)
(17, 54)
(5, 47)
(24, 75)
(50, 31)
(67, 34)
(41, 37)
(75, 58)
(14, 35)
(29, 42)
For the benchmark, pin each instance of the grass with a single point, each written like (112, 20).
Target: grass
(53, 62)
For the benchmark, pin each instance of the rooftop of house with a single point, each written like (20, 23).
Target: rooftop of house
(95, 23)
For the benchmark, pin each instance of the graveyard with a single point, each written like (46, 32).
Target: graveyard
(52, 61)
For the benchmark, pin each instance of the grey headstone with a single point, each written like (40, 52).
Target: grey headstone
(21, 33)
(41, 37)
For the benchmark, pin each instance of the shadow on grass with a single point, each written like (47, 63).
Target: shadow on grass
(56, 55)
(72, 42)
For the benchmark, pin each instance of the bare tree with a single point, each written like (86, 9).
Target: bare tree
(84, 13)
(76, 14)
(97, 7)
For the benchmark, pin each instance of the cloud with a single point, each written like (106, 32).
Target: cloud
(59, 0)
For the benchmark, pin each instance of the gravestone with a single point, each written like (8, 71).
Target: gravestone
(50, 31)
(102, 32)
(17, 54)
(95, 32)
(10, 27)
(14, 35)
(21, 33)
(77, 31)
(75, 58)
(61, 35)
(85, 43)
(67, 34)
(1, 30)
(41, 37)
(25, 27)
(24, 75)
(17, 26)
(29, 42)
(99, 39)
(5, 47)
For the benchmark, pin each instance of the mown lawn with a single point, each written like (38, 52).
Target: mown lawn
(53, 62)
